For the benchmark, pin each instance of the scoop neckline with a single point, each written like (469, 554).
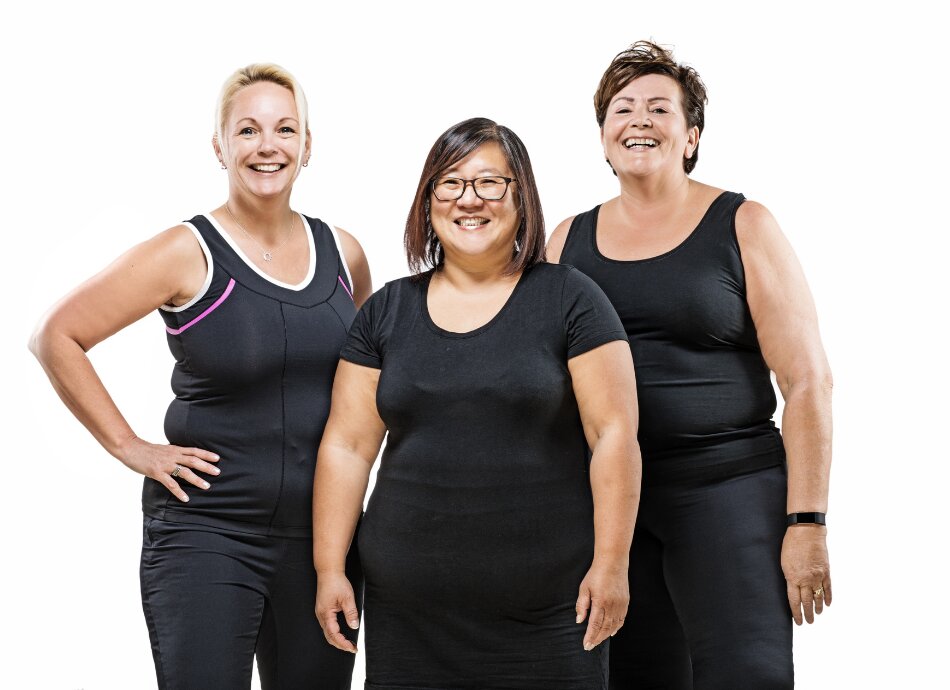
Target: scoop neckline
(427, 317)
(311, 245)
(686, 240)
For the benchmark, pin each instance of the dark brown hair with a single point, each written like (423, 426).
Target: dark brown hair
(423, 249)
(646, 57)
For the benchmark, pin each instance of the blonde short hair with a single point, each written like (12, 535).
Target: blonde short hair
(252, 74)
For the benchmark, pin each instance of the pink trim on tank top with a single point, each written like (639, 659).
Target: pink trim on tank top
(217, 303)
(340, 278)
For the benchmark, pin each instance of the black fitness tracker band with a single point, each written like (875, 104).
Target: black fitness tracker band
(805, 519)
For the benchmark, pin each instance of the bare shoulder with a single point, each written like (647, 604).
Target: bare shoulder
(754, 218)
(355, 259)
(557, 239)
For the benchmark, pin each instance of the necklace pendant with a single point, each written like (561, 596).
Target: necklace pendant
(268, 256)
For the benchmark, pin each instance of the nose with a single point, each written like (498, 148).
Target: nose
(641, 118)
(266, 144)
(469, 197)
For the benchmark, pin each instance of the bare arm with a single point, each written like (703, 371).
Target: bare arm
(606, 393)
(557, 240)
(351, 442)
(787, 327)
(359, 267)
(168, 268)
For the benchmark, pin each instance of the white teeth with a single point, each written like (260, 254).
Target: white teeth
(270, 167)
(640, 141)
(471, 222)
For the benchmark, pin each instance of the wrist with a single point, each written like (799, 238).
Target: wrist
(812, 518)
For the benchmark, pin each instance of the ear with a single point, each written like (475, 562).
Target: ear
(692, 141)
(308, 142)
(217, 148)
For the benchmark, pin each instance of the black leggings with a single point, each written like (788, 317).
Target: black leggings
(708, 608)
(214, 598)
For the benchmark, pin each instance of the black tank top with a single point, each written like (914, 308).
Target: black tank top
(254, 366)
(705, 393)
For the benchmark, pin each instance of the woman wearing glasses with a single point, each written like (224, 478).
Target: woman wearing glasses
(494, 551)
(712, 298)
(256, 300)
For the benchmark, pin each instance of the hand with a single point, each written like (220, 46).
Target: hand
(160, 462)
(807, 572)
(604, 592)
(335, 595)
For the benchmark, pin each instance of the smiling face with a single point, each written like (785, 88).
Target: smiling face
(470, 228)
(262, 140)
(645, 130)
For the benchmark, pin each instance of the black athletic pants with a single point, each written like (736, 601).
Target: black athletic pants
(708, 608)
(214, 598)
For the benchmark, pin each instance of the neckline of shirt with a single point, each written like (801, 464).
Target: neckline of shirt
(311, 271)
(427, 317)
(686, 240)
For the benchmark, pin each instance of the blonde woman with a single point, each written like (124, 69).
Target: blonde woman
(256, 299)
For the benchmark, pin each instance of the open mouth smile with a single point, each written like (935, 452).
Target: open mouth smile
(470, 223)
(267, 167)
(640, 143)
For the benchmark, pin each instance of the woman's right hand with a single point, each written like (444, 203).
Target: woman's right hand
(160, 462)
(335, 595)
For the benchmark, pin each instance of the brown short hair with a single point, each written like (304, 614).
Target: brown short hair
(423, 249)
(646, 57)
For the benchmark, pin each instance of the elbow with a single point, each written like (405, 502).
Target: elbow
(816, 382)
(39, 339)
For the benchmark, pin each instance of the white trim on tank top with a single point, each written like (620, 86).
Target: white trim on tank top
(237, 250)
(339, 250)
(204, 288)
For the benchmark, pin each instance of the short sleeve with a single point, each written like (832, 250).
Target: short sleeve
(590, 320)
(363, 343)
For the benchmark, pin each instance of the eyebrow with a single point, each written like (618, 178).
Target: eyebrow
(651, 99)
(252, 120)
(492, 172)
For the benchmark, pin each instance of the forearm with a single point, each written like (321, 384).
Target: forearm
(615, 472)
(339, 487)
(806, 431)
(79, 387)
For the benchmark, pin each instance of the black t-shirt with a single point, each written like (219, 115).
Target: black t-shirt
(480, 526)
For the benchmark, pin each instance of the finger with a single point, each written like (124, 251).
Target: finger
(192, 478)
(173, 486)
(198, 465)
(619, 625)
(331, 631)
(795, 602)
(202, 454)
(827, 583)
(583, 603)
(819, 600)
(596, 633)
(351, 613)
(808, 602)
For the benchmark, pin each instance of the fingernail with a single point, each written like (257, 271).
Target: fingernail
(588, 646)
(185, 499)
(217, 457)
(579, 619)
(206, 485)
(216, 470)
(354, 624)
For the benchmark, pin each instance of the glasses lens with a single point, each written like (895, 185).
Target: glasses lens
(448, 188)
(491, 188)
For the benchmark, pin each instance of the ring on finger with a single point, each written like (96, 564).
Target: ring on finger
(819, 590)
(176, 471)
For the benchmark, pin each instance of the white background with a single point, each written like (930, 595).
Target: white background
(832, 114)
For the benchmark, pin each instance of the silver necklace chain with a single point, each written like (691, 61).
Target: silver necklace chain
(268, 255)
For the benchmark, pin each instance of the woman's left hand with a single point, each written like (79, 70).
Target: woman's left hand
(807, 572)
(605, 594)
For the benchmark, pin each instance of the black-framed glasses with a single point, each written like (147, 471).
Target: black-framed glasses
(490, 188)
